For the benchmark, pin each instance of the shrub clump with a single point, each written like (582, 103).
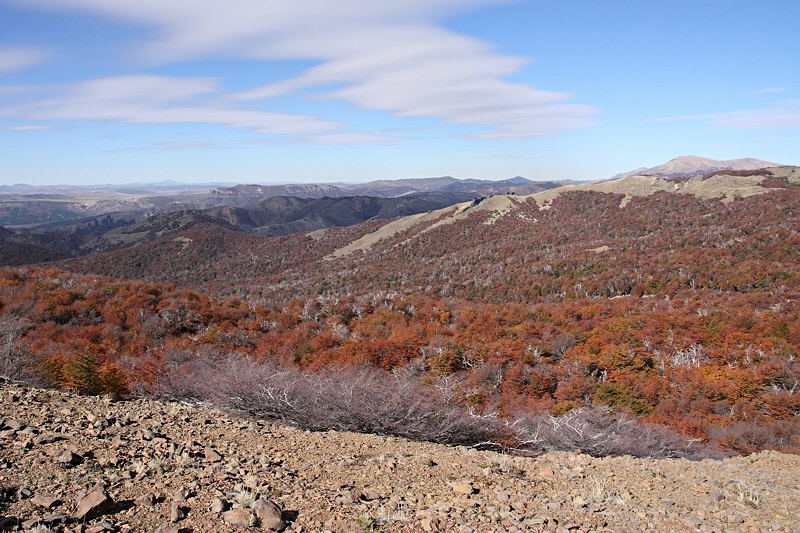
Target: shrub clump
(599, 431)
(372, 400)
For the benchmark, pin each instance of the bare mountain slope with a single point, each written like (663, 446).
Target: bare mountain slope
(690, 165)
(723, 185)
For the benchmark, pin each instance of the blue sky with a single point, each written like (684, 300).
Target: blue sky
(262, 91)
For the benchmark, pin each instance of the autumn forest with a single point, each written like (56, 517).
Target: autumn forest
(679, 311)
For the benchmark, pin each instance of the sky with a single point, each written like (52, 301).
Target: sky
(311, 91)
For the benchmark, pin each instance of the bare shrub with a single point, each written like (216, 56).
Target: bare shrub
(15, 361)
(561, 343)
(361, 399)
(184, 377)
(749, 437)
(372, 400)
(264, 390)
(600, 431)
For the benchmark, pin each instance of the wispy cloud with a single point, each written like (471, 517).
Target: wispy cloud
(159, 100)
(770, 90)
(785, 115)
(176, 146)
(389, 55)
(25, 128)
(14, 58)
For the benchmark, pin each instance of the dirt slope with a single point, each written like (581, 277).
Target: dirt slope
(176, 468)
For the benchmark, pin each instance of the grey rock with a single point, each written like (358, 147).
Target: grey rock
(105, 525)
(146, 500)
(177, 512)
(69, 458)
(735, 519)
(15, 425)
(219, 506)
(426, 461)
(55, 518)
(47, 439)
(369, 495)
(30, 523)
(692, 521)
(167, 527)
(269, 514)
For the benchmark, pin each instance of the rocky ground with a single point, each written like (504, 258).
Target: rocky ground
(80, 464)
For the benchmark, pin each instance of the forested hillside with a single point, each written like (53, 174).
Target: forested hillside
(682, 310)
(584, 246)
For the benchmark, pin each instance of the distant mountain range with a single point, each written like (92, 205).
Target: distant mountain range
(275, 216)
(690, 165)
(29, 206)
(390, 188)
(55, 223)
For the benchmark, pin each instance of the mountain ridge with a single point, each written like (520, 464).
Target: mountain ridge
(690, 165)
(310, 207)
(723, 186)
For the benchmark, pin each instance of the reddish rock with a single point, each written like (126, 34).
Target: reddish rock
(94, 504)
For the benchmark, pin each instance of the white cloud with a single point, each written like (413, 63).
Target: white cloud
(12, 58)
(159, 100)
(383, 55)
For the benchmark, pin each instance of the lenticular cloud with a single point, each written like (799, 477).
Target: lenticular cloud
(386, 55)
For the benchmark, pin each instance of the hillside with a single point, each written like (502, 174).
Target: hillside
(679, 308)
(281, 215)
(723, 186)
(562, 226)
(64, 221)
(150, 466)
